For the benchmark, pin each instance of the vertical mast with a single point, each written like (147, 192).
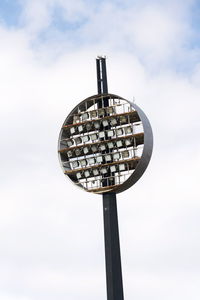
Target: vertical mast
(111, 231)
(102, 85)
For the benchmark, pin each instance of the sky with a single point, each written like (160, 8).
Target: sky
(51, 232)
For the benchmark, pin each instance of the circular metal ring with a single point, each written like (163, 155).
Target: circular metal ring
(105, 144)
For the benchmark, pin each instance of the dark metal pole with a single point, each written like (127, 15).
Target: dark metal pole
(111, 231)
(102, 85)
(112, 248)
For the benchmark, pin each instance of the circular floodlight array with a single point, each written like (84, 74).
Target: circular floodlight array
(105, 144)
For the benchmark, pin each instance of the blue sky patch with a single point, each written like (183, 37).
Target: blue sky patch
(10, 11)
(60, 23)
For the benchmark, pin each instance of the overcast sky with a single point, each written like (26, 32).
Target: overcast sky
(51, 233)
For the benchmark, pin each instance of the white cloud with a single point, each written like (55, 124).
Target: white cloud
(38, 15)
(155, 32)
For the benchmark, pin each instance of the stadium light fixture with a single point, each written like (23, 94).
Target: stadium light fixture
(102, 151)
(101, 137)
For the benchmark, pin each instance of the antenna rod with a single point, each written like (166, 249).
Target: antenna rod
(102, 84)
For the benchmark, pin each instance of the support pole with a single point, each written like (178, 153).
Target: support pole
(111, 231)
(112, 248)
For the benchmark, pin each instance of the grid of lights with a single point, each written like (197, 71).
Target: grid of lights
(101, 143)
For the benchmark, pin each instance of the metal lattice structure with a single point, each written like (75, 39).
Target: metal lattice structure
(100, 147)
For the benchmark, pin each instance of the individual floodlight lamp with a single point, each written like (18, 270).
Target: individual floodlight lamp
(95, 172)
(72, 130)
(94, 136)
(116, 156)
(88, 126)
(91, 160)
(106, 155)
(85, 138)
(99, 159)
(78, 140)
(78, 175)
(102, 147)
(86, 150)
(75, 164)
(110, 145)
(80, 128)
(85, 116)
(94, 148)
(113, 121)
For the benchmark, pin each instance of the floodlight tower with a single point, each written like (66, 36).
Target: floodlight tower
(105, 145)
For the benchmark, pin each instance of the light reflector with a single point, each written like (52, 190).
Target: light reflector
(128, 130)
(95, 172)
(78, 175)
(78, 151)
(125, 154)
(103, 170)
(110, 110)
(128, 142)
(123, 119)
(72, 130)
(113, 169)
(93, 114)
(119, 143)
(78, 140)
(122, 167)
(116, 156)
(94, 148)
(85, 138)
(88, 126)
(75, 164)
(87, 173)
(85, 116)
(70, 142)
(80, 128)
(69, 153)
(102, 147)
(96, 125)
(101, 134)
(113, 121)
(91, 160)
(105, 123)
(110, 133)
(85, 150)
(101, 112)
(94, 136)
(83, 162)
(99, 159)
(76, 119)
(119, 131)
(110, 145)
(108, 158)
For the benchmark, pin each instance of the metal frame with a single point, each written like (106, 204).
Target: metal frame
(148, 141)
